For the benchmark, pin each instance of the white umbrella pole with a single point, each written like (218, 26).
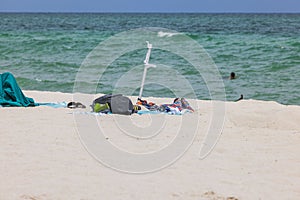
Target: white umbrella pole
(147, 65)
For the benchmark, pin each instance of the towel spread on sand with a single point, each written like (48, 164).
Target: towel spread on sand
(54, 105)
(11, 94)
(179, 106)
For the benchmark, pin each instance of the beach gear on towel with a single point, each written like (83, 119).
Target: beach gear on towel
(178, 107)
(103, 108)
(73, 105)
(11, 94)
(116, 104)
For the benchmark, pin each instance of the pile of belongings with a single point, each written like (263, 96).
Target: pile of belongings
(178, 107)
(115, 104)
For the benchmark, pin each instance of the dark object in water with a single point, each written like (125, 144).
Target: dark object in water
(241, 97)
(232, 76)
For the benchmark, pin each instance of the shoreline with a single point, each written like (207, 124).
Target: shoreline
(255, 157)
(61, 95)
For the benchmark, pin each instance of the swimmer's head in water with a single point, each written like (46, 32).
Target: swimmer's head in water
(232, 75)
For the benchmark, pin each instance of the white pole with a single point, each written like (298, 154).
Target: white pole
(147, 65)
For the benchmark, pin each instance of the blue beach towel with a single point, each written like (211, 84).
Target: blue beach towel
(54, 105)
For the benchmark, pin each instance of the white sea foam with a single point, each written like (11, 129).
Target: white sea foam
(167, 34)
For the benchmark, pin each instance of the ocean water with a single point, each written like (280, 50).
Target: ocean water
(46, 50)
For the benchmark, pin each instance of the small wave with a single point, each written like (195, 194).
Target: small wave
(167, 34)
(295, 44)
(193, 36)
(67, 47)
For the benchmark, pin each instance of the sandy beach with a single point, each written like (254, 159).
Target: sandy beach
(256, 157)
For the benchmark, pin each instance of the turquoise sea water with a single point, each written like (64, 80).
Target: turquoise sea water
(45, 51)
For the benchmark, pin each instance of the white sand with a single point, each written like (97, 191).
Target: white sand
(256, 157)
